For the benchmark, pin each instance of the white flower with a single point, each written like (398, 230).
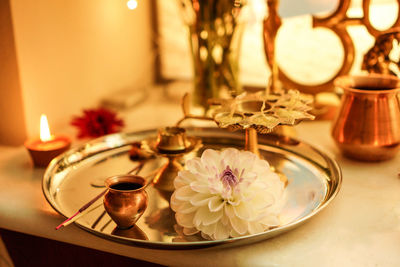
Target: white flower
(227, 194)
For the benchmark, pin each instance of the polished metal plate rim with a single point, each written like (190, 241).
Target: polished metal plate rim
(66, 182)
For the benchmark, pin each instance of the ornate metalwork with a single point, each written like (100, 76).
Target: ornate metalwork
(337, 22)
(377, 59)
(259, 112)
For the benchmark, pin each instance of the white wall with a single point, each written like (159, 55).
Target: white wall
(73, 52)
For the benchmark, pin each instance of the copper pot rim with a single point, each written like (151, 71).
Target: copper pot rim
(351, 82)
(127, 178)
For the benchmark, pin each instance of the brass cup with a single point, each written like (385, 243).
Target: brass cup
(367, 126)
(172, 140)
(126, 199)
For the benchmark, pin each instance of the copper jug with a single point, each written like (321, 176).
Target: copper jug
(367, 126)
(126, 199)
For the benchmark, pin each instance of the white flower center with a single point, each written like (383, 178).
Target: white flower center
(228, 178)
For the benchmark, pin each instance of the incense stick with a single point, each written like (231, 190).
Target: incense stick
(138, 168)
(81, 214)
(82, 209)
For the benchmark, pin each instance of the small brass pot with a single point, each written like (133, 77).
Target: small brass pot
(172, 140)
(126, 199)
(367, 126)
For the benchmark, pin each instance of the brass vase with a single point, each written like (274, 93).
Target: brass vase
(126, 199)
(367, 126)
(215, 39)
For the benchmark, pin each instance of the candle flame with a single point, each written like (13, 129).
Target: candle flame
(44, 129)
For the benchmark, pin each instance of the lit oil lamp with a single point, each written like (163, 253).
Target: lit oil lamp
(49, 146)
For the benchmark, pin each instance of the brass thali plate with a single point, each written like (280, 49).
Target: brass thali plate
(71, 180)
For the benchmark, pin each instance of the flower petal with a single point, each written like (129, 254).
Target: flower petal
(212, 217)
(262, 166)
(221, 232)
(190, 231)
(201, 215)
(183, 193)
(208, 229)
(194, 166)
(233, 233)
(174, 203)
(199, 199)
(200, 186)
(184, 177)
(186, 207)
(247, 159)
(230, 157)
(229, 211)
(271, 220)
(247, 179)
(262, 200)
(216, 203)
(242, 211)
(240, 226)
(212, 159)
(185, 220)
(255, 228)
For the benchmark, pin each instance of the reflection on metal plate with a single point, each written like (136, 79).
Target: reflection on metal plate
(314, 180)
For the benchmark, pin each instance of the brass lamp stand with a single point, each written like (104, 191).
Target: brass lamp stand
(172, 144)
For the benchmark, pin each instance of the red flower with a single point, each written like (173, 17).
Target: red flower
(97, 122)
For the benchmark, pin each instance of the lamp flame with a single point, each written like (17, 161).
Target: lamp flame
(44, 129)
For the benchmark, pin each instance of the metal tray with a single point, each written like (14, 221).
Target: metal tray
(314, 180)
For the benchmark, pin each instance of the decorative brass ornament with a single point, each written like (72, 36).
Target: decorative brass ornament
(337, 22)
(377, 59)
(263, 112)
(255, 113)
(271, 26)
(172, 144)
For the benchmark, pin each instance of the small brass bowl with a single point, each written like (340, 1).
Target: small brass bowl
(172, 140)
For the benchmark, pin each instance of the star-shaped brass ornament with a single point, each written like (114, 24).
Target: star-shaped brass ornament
(262, 111)
(255, 113)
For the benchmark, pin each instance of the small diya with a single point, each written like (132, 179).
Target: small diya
(48, 146)
(171, 143)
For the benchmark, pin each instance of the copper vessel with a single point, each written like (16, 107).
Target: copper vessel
(367, 126)
(126, 199)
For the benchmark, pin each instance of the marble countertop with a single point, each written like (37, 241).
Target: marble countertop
(361, 227)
